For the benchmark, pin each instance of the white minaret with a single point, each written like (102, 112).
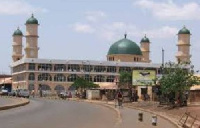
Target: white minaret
(145, 48)
(183, 54)
(31, 50)
(17, 45)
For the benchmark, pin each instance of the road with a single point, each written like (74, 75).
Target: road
(41, 113)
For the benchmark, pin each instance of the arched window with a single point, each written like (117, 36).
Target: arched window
(99, 78)
(110, 79)
(59, 88)
(31, 76)
(44, 87)
(60, 67)
(60, 78)
(44, 77)
(72, 77)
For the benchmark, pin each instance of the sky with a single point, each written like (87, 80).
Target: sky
(85, 29)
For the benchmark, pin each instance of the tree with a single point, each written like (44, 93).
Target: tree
(81, 83)
(125, 79)
(177, 79)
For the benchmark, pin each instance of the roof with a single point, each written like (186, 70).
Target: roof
(124, 46)
(184, 30)
(6, 80)
(86, 62)
(107, 85)
(145, 40)
(32, 20)
(18, 32)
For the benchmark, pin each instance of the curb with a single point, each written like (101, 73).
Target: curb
(155, 113)
(10, 106)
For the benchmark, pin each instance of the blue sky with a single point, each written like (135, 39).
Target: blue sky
(85, 29)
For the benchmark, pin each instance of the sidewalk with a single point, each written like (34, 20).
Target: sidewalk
(171, 114)
(12, 102)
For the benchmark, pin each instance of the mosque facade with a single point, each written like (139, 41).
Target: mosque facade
(33, 73)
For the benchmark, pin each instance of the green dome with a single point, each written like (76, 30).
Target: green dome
(184, 30)
(18, 32)
(32, 20)
(124, 46)
(145, 40)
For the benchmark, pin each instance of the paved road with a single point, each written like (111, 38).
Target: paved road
(70, 114)
(58, 114)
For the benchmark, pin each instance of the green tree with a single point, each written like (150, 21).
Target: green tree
(125, 80)
(81, 83)
(177, 78)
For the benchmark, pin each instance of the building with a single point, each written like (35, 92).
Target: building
(5, 82)
(33, 73)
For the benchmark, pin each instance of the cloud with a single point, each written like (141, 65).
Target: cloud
(17, 7)
(171, 11)
(163, 32)
(95, 16)
(83, 28)
(115, 30)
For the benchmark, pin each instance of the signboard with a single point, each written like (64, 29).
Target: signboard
(143, 77)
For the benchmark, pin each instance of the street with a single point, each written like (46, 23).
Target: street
(43, 113)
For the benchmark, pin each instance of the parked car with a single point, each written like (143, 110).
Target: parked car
(12, 93)
(62, 95)
(4, 92)
(23, 93)
(65, 95)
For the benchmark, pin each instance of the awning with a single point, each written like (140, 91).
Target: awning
(107, 85)
(195, 87)
(5, 80)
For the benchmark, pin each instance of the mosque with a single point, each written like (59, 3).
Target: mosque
(33, 73)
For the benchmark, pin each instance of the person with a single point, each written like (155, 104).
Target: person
(120, 98)
(33, 93)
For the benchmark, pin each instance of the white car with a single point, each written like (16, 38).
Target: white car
(4, 92)
(23, 93)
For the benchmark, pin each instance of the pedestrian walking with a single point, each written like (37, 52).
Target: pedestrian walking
(119, 98)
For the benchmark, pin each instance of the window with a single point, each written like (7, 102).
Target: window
(124, 69)
(44, 67)
(72, 77)
(31, 76)
(87, 68)
(99, 69)
(110, 79)
(99, 78)
(88, 77)
(19, 77)
(31, 66)
(19, 68)
(60, 78)
(73, 68)
(44, 77)
(60, 67)
(111, 69)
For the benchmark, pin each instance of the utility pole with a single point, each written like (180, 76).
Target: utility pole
(163, 55)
